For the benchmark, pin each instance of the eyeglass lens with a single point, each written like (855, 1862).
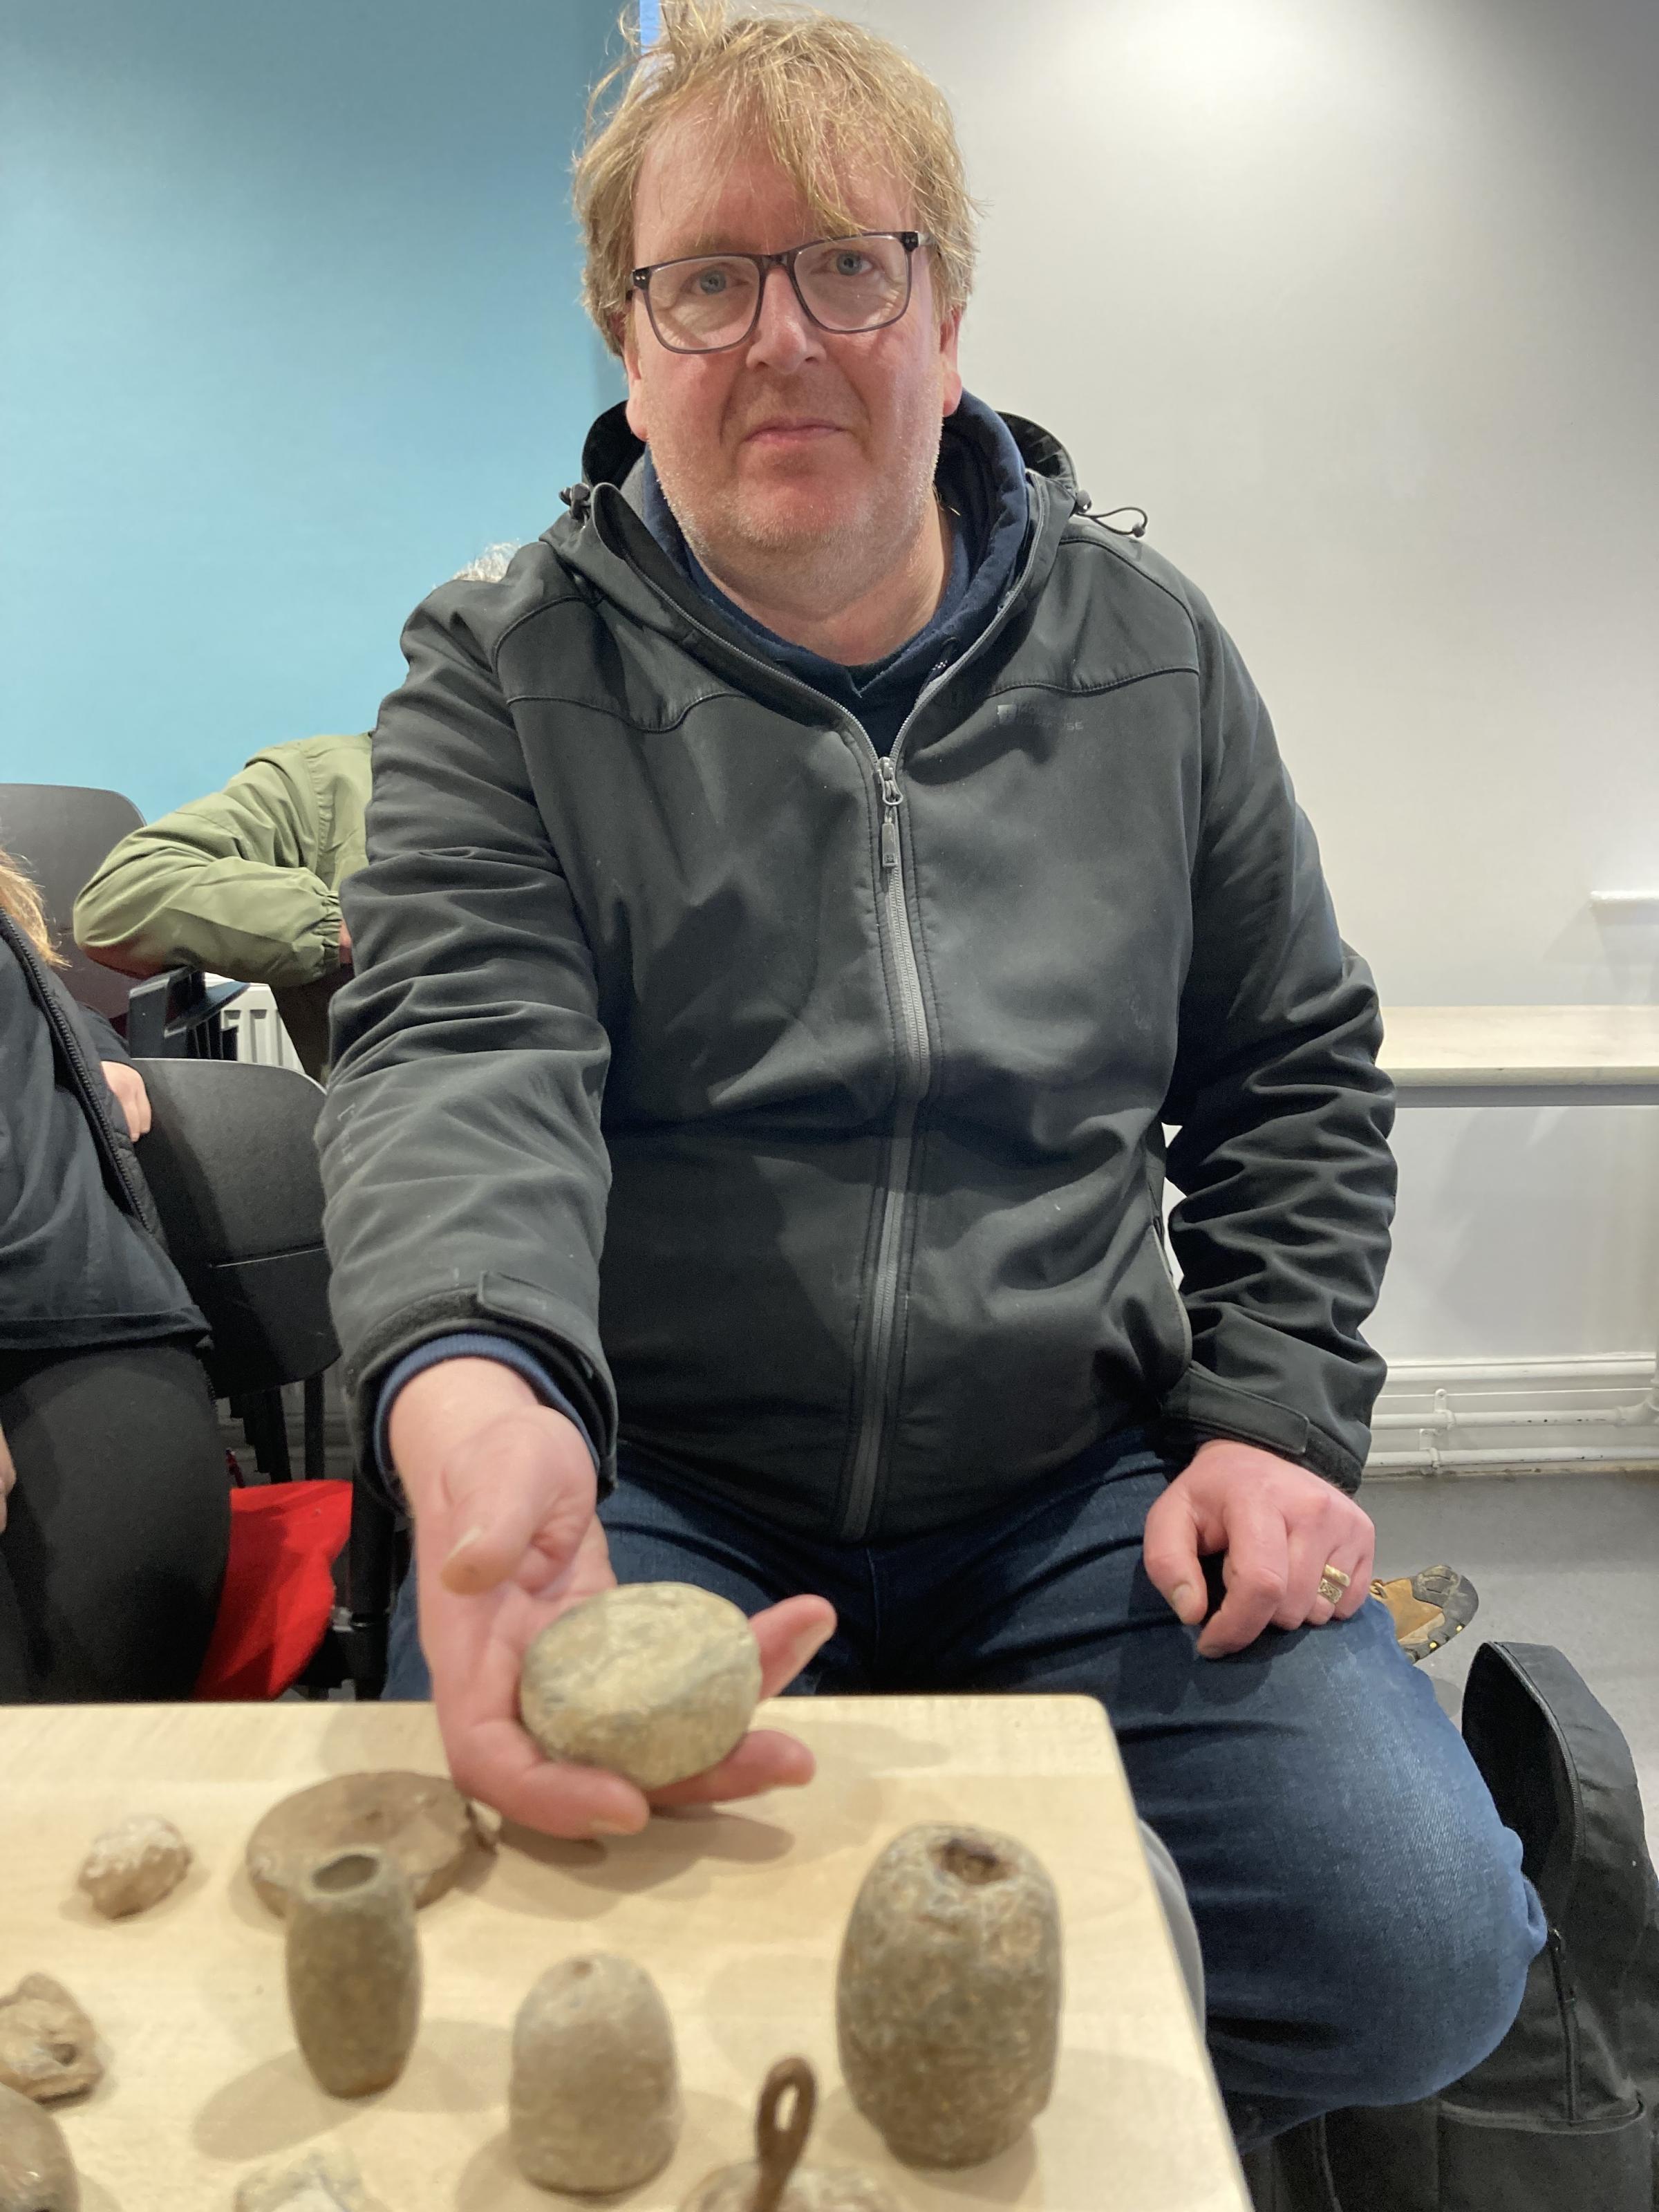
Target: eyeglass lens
(847, 285)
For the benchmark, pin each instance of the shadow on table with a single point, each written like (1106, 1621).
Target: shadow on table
(457, 2066)
(716, 2132)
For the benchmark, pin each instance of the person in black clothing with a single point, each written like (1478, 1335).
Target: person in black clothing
(114, 1509)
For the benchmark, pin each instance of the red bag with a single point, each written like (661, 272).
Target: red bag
(279, 1596)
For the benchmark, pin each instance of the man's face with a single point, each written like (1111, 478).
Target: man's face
(800, 448)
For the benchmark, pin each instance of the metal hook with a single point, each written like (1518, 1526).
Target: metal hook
(778, 2149)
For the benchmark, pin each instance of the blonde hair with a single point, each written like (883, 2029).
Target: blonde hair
(817, 90)
(21, 902)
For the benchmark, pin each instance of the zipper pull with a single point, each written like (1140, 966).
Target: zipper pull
(892, 799)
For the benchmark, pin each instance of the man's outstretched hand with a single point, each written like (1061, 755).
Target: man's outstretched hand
(506, 1539)
(1280, 1526)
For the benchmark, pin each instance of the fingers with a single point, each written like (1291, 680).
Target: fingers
(1256, 1572)
(765, 1759)
(789, 1636)
(1170, 1555)
(496, 1760)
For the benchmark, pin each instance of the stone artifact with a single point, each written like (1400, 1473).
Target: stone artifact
(37, 2174)
(134, 1865)
(46, 2042)
(421, 1821)
(326, 2179)
(947, 1998)
(594, 2101)
(772, 2181)
(654, 1680)
(354, 1971)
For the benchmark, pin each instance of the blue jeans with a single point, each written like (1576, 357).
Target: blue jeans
(1365, 1926)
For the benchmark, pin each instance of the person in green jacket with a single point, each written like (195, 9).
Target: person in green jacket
(245, 882)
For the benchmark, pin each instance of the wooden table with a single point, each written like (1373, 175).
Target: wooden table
(736, 1913)
(1522, 1056)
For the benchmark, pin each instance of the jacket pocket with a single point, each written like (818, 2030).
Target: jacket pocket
(1608, 2165)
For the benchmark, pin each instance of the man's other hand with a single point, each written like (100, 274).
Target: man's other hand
(506, 1539)
(1279, 1527)
(127, 1086)
(345, 945)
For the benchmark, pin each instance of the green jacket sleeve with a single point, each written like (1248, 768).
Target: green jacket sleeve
(228, 882)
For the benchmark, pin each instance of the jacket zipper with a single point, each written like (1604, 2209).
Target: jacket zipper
(915, 1050)
(916, 1073)
(1566, 1999)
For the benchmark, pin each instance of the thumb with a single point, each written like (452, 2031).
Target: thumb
(515, 1483)
(1170, 1550)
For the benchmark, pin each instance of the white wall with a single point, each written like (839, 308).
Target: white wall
(1357, 298)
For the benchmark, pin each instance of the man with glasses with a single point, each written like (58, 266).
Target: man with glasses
(798, 896)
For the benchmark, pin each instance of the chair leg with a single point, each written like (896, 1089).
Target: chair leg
(266, 1428)
(316, 1446)
(371, 1557)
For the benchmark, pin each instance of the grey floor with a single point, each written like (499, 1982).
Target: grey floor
(1571, 1560)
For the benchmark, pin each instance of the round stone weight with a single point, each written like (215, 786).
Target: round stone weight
(654, 1682)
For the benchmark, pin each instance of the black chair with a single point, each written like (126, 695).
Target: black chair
(62, 833)
(231, 1158)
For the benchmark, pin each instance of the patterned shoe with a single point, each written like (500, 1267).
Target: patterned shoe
(1429, 1609)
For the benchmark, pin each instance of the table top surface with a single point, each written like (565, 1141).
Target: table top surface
(1588, 1046)
(737, 1913)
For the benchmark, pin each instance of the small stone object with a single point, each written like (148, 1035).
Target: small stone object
(774, 2180)
(654, 1680)
(594, 2100)
(326, 2180)
(421, 1821)
(37, 2174)
(353, 1972)
(46, 2042)
(947, 1998)
(135, 1865)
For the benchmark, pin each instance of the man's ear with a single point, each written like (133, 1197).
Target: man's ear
(950, 375)
(630, 355)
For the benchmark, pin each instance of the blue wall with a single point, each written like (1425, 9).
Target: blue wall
(288, 332)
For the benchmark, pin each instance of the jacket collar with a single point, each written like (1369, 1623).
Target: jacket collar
(604, 539)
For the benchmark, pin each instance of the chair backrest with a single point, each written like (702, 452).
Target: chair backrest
(231, 1159)
(60, 833)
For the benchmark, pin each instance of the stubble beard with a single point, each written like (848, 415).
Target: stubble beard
(765, 555)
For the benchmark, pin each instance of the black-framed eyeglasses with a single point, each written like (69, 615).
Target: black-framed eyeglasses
(708, 302)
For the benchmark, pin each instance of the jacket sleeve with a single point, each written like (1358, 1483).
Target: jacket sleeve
(1282, 1157)
(228, 883)
(465, 1171)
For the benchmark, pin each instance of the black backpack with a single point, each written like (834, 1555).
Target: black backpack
(1561, 2117)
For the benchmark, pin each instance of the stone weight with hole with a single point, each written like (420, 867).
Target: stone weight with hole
(594, 2100)
(353, 1972)
(420, 1820)
(37, 2174)
(654, 1682)
(948, 1993)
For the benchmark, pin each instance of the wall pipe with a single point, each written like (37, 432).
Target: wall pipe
(1432, 1461)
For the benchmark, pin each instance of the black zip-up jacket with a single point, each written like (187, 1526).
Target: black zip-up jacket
(81, 1261)
(801, 1109)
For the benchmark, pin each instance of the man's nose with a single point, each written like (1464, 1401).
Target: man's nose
(785, 336)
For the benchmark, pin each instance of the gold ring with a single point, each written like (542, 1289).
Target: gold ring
(1332, 1584)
